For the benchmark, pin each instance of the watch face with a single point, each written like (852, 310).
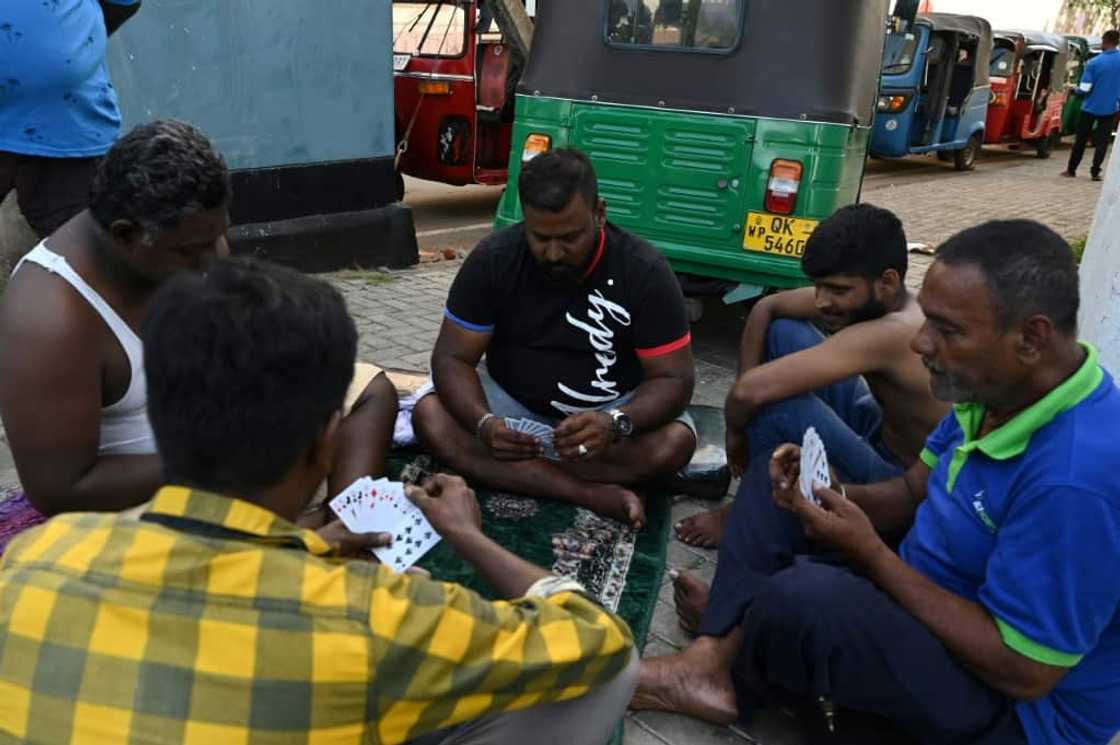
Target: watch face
(622, 423)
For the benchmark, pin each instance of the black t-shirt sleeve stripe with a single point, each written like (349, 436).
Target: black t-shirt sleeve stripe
(660, 313)
(664, 349)
(471, 301)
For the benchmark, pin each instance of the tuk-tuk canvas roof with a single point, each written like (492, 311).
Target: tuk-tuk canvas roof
(970, 25)
(816, 60)
(973, 26)
(1036, 38)
(1044, 40)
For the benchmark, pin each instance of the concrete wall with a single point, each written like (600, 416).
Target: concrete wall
(1100, 275)
(272, 82)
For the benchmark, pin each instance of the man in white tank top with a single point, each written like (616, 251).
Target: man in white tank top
(72, 392)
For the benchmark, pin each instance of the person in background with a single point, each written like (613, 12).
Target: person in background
(1100, 90)
(58, 109)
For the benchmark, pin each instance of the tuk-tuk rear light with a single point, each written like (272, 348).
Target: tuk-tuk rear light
(435, 88)
(999, 98)
(535, 144)
(893, 104)
(783, 187)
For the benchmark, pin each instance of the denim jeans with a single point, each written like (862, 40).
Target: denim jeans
(845, 415)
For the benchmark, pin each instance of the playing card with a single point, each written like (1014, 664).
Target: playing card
(542, 432)
(413, 537)
(814, 465)
(387, 507)
(352, 502)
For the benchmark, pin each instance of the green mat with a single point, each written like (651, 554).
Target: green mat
(620, 568)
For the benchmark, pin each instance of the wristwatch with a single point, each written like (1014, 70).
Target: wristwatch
(621, 424)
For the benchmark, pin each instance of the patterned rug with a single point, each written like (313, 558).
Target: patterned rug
(619, 567)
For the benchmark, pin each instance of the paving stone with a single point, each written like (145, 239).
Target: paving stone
(637, 733)
(677, 729)
(680, 556)
(770, 727)
(688, 507)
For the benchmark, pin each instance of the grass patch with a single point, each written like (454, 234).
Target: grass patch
(1078, 247)
(368, 277)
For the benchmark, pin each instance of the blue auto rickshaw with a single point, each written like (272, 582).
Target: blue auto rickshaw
(934, 89)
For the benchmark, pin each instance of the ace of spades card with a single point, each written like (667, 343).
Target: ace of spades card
(814, 466)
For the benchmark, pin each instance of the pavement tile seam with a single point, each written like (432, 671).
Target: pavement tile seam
(650, 730)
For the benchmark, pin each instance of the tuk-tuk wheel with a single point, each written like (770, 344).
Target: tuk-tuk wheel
(965, 158)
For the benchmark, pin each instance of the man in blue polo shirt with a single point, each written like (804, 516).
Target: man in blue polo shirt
(1100, 89)
(58, 110)
(998, 621)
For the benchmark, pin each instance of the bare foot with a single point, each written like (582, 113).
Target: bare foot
(618, 503)
(704, 530)
(690, 595)
(690, 683)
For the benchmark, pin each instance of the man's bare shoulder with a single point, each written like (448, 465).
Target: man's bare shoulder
(40, 311)
(893, 330)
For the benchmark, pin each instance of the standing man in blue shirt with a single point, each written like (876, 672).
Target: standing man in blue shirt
(1100, 89)
(58, 110)
(998, 620)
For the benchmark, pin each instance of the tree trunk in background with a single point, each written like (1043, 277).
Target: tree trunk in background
(1100, 274)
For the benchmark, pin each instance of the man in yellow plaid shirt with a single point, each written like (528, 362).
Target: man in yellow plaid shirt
(214, 619)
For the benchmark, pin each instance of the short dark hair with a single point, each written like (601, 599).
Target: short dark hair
(1030, 270)
(860, 240)
(550, 180)
(157, 175)
(245, 365)
(1111, 37)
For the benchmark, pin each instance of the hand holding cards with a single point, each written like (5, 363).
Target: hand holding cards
(814, 466)
(369, 506)
(542, 432)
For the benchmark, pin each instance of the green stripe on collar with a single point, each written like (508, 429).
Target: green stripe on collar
(1011, 440)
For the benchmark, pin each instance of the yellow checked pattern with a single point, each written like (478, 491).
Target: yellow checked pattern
(117, 630)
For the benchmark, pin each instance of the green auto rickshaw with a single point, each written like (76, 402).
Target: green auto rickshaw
(1080, 52)
(722, 131)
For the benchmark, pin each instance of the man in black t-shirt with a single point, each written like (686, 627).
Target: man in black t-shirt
(584, 328)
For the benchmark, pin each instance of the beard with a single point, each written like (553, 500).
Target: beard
(869, 311)
(948, 387)
(561, 274)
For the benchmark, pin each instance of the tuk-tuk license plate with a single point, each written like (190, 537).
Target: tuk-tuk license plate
(775, 234)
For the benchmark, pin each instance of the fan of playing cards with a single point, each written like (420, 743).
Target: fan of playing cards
(542, 432)
(369, 506)
(814, 465)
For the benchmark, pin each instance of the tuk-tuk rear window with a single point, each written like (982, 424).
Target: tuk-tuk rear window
(898, 54)
(1003, 62)
(711, 25)
(429, 29)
